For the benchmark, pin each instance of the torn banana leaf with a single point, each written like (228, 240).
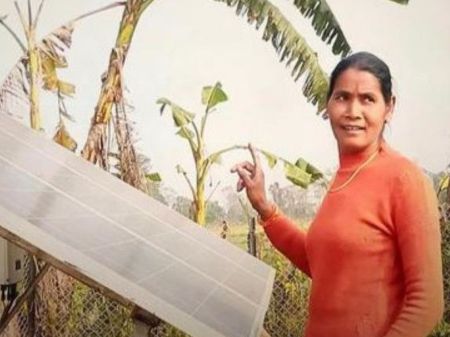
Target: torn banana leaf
(62, 137)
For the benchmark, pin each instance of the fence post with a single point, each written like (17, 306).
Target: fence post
(251, 237)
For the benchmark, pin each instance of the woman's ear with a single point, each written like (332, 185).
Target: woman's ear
(390, 109)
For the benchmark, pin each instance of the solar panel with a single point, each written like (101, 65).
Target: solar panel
(95, 227)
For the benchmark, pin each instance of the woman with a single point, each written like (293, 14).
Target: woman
(373, 249)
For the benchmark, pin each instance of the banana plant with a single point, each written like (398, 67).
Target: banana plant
(49, 56)
(38, 68)
(94, 149)
(300, 173)
(292, 49)
(285, 39)
(287, 42)
(443, 194)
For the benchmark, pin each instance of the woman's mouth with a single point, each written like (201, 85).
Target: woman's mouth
(353, 128)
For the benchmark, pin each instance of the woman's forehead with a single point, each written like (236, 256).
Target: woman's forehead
(353, 79)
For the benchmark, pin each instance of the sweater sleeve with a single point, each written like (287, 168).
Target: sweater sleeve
(289, 239)
(416, 226)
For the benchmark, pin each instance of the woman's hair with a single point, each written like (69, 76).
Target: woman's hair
(366, 62)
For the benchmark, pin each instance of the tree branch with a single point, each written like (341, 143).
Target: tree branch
(14, 35)
(212, 192)
(38, 14)
(190, 184)
(22, 19)
(102, 9)
(30, 15)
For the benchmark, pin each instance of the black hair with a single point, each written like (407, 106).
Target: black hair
(366, 62)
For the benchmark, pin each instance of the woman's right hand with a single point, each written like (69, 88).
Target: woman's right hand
(251, 177)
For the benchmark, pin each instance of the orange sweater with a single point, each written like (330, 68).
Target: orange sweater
(373, 252)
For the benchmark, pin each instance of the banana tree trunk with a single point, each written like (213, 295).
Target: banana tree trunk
(94, 149)
(35, 123)
(199, 198)
(33, 67)
(130, 170)
(200, 204)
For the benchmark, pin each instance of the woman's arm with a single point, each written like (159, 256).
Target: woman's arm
(282, 232)
(416, 222)
(289, 239)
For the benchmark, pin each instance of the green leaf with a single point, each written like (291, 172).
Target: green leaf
(180, 116)
(164, 102)
(185, 133)
(401, 2)
(302, 164)
(211, 96)
(215, 159)
(155, 177)
(296, 175)
(308, 168)
(291, 47)
(271, 159)
(444, 183)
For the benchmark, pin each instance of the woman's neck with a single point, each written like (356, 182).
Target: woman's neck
(350, 160)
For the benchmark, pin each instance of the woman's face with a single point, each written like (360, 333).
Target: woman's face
(357, 111)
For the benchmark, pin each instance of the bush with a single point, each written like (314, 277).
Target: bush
(443, 329)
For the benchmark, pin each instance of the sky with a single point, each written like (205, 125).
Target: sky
(181, 46)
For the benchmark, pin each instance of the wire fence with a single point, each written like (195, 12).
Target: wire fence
(445, 231)
(61, 306)
(22, 322)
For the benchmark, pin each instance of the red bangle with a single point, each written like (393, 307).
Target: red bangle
(272, 215)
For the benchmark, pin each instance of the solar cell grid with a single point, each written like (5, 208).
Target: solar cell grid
(165, 263)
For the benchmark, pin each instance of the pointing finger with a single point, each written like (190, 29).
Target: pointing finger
(254, 155)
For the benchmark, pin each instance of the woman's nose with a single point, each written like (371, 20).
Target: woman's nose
(354, 110)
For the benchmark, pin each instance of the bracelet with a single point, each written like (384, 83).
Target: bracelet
(272, 215)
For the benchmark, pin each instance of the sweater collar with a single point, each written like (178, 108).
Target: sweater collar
(351, 161)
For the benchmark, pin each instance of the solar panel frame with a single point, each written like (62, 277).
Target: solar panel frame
(19, 230)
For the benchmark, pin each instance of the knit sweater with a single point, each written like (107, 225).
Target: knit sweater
(372, 252)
